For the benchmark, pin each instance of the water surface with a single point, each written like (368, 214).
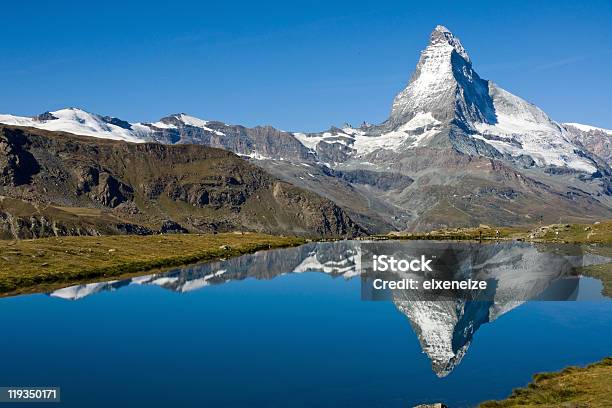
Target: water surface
(288, 328)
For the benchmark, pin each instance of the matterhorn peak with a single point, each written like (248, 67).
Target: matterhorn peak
(444, 85)
(442, 36)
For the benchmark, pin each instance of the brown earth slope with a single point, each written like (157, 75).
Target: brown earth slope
(54, 183)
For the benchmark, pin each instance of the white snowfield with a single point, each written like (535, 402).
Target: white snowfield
(540, 137)
(402, 137)
(80, 122)
(411, 134)
(75, 121)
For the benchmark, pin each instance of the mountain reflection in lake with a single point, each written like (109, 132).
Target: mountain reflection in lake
(444, 328)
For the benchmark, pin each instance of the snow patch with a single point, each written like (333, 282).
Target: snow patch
(195, 122)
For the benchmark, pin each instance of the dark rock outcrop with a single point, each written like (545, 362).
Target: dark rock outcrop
(17, 165)
(171, 227)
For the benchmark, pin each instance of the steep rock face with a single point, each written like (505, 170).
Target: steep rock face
(595, 140)
(157, 186)
(325, 216)
(21, 219)
(260, 141)
(383, 180)
(16, 164)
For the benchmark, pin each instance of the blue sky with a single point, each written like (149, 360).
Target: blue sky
(297, 65)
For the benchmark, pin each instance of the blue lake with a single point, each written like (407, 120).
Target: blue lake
(248, 333)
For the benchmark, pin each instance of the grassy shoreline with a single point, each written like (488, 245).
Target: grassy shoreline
(27, 266)
(588, 386)
(597, 233)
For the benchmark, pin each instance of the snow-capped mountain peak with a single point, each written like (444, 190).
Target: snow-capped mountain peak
(482, 118)
(82, 122)
(79, 122)
(187, 120)
(191, 120)
(442, 35)
(444, 84)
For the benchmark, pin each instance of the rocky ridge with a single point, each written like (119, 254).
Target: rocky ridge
(59, 184)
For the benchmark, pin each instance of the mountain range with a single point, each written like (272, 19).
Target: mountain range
(456, 150)
(54, 183)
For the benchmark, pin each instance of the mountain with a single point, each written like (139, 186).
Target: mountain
(278, 152)
(446, 104)
(54, 183)
(475, 152)
(593, 139)
(79, 122)
(259, 142)
(456, 150)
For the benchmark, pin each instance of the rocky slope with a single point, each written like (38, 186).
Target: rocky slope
(55, 183)
(593, 139)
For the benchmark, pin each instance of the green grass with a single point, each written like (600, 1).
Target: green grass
(590, 386)
(40, 264)
(483, 232)
(574, 233)
(600, 232)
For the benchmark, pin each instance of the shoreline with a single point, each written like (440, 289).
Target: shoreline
(32, 266)
(37, 265)
(597, 233)
(572, 386)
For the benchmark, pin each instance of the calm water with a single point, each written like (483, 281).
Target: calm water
(248, 333)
